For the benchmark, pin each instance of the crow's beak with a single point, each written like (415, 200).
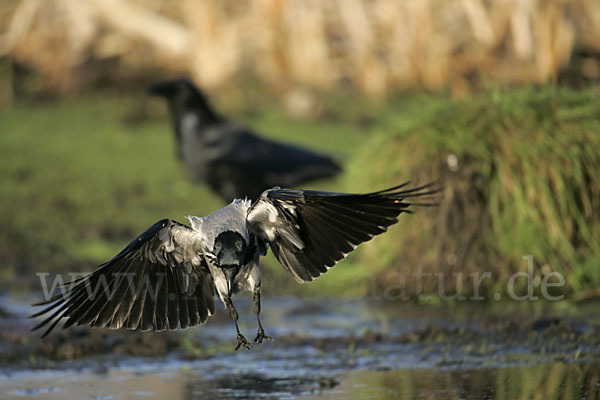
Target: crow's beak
(159, 89)
(230, 272)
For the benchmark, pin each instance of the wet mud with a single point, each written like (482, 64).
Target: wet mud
(321, 349)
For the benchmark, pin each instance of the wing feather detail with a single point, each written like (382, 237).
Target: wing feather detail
(310, 231)
(159, 281)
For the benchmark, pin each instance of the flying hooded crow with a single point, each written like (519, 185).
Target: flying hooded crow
(166, 277)
(231, 159)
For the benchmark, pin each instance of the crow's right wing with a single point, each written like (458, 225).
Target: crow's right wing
(159, 281)
(310, 231)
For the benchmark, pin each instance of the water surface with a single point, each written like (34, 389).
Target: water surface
(330, 350)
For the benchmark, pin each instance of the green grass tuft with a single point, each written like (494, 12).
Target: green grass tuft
(527, 182)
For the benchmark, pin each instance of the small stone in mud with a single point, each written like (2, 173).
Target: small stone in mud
(543, 324)
(327, 382)
(372, 337)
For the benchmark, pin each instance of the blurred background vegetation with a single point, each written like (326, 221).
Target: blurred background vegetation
(498, 99)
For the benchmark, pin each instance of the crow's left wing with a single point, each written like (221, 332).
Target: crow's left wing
(310, 231)
(159, 281)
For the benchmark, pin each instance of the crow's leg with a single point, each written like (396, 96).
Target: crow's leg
(241, 340)
(260, 336)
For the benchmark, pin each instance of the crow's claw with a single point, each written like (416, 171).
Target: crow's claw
(242, 342)
(260, 336)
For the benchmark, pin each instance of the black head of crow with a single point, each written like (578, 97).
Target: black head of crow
(166, 278)
(232, 160)
(182, 97)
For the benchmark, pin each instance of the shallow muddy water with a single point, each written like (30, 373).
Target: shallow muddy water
(207, 381)
(325, 350)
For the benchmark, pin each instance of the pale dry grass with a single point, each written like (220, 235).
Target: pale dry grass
(376, 45)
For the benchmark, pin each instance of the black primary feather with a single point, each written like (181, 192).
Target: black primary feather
(329, 225)
(138, 288)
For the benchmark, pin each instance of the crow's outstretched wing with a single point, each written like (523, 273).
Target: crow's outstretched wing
(159, 281)
(310, 231)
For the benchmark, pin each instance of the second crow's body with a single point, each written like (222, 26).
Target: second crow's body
(167, 276)
(232, 160)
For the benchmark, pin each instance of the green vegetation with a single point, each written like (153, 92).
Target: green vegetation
(77, 183)
(521, 170)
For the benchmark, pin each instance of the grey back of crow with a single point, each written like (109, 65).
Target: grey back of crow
(166, 277)
(232, 160)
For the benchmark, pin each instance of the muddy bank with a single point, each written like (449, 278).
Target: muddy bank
(322, 349)
(351, 332)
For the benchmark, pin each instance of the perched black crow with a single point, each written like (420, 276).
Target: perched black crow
(231, 159)
(166, 278)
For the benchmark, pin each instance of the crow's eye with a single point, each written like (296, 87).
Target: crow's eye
(217, 247)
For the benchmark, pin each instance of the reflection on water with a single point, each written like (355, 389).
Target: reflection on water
(545, 381)
(345, 350)
(253, 386)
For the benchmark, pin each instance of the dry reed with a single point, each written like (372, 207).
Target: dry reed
(376, 45)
